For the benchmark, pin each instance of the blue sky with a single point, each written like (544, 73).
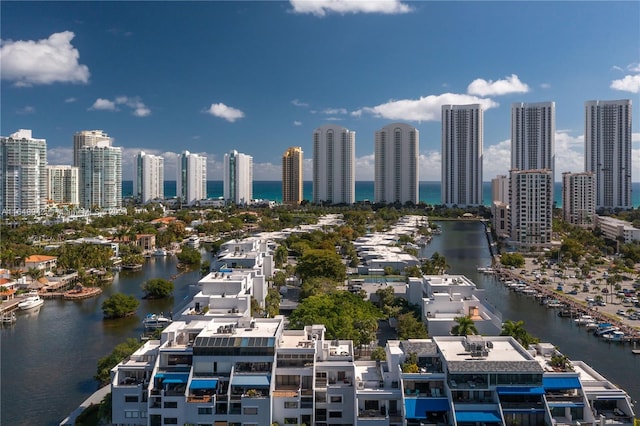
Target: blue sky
(259, 77)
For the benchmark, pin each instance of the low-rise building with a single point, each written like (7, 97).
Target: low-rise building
(617, 229)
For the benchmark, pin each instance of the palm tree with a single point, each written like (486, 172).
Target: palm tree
(516, 330)
(464, 327)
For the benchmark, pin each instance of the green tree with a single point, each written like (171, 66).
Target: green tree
(120, 352)
(321, 263)
(280, 256)
(410, 364)
(378, 354)
(345, 315)
(272, 302)
(516, 330)
(119, 305)
(512, 259)
(157, 288)
(189, 256)
(317, 285)
(464, 326)
(409, 327)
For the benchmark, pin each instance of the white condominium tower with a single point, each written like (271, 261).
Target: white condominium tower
(500, 189)
(607, 151)
(462, 138)
(88, 138)
(100, 169)
(396, 164)
(148, 182)
(238, 178)
(531, 207)
(191, 181)
(333, 165)
(533, 128)
(579, 199)
(63, 185)
(23, 174)
(292, 175)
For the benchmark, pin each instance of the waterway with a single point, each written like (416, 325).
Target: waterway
(464, 246)
(49, 357)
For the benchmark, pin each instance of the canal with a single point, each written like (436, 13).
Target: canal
(464, 246)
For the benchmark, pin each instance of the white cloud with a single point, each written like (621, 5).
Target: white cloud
(334, 111)
(299, 103)
(635, 137)
(430, 166)
(297, 123)
(26, 110)
(545, 86)
(46, 61)
(70, 100)
(267, 171)
(103, 104)
(322, 7)
(365, 167)
(138, 108)
(223, 111)
(511, 84)
(496, 159)
(630, 83)
(634, 67)
(428, 108)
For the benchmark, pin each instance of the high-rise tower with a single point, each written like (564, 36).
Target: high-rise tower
(88, 138)
(396, 164)
(462, 138)
(292, 175)
(191, 181)
(100, 172)
(333, 165)
(148, 182)
(238, 178)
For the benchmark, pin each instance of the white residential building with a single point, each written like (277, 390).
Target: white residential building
(148, 182)
(100, 171)
(23, 174)
(88, 138)
(334, 165)
(617, 229)
(533, 128)
(238, 178)
(462, 140)
(579, 199)
(531, 207)
(607, 151)
(500, 189)
(397, 148)
(191, 180)
(63, 185)
(292, 183)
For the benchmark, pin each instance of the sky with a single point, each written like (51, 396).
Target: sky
(260, 76)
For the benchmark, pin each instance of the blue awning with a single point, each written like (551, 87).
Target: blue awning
(417, 408)
(520, 390)
(564, 404)
(250, 381)
(557, 383)
(478, 416)
(204, 384)
(172, 378)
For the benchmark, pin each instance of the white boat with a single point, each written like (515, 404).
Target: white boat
(32, 300)
(591, 325)
(584, 319)
(160, 252)
(614, 336)
(193, 241)
(155, 321)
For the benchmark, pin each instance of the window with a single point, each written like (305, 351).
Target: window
(251, 410)
(170, 404)
(205, 410)
(130, 414)
(131, 398)
(336, 399)
(335, 414)
(290, 404)
(170, 420)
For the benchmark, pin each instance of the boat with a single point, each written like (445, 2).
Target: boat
(583, 319)
(155, 321)
(604, 328)
(9, 318)
(614, 336)
(160, 252)
(591, 325)
(193, 242)
(32, 300)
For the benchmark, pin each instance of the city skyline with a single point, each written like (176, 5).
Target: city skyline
(262, 94)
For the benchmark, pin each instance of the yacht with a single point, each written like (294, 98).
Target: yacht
(160, 252)
(32, 300)
(584, 319)
(155, 321)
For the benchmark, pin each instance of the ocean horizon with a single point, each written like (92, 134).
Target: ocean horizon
(429, 191)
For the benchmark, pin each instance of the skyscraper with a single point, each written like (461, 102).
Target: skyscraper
(531, 207)
(462, 139)
(607, 151)
(191, 180)
(579, 199)
(63, 185)
(533, 129)
(238, 178)
(88, 138)
(148, 182)
(396, 164)
(100, 169)
(292, 175)
(500, 189)
(333, 165)
(23, 174)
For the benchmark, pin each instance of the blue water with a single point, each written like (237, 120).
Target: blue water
(429, 192)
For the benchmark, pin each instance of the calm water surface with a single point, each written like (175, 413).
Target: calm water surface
(49, 357)
(464, 245)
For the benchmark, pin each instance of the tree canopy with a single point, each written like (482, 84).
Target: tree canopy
(464, 326)
(120, 352)
(189, 256)
(345, 316)
(516, 330)
(321, 263)
(157, 288)
(512, 259)
(409, 327)
(119, 305)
